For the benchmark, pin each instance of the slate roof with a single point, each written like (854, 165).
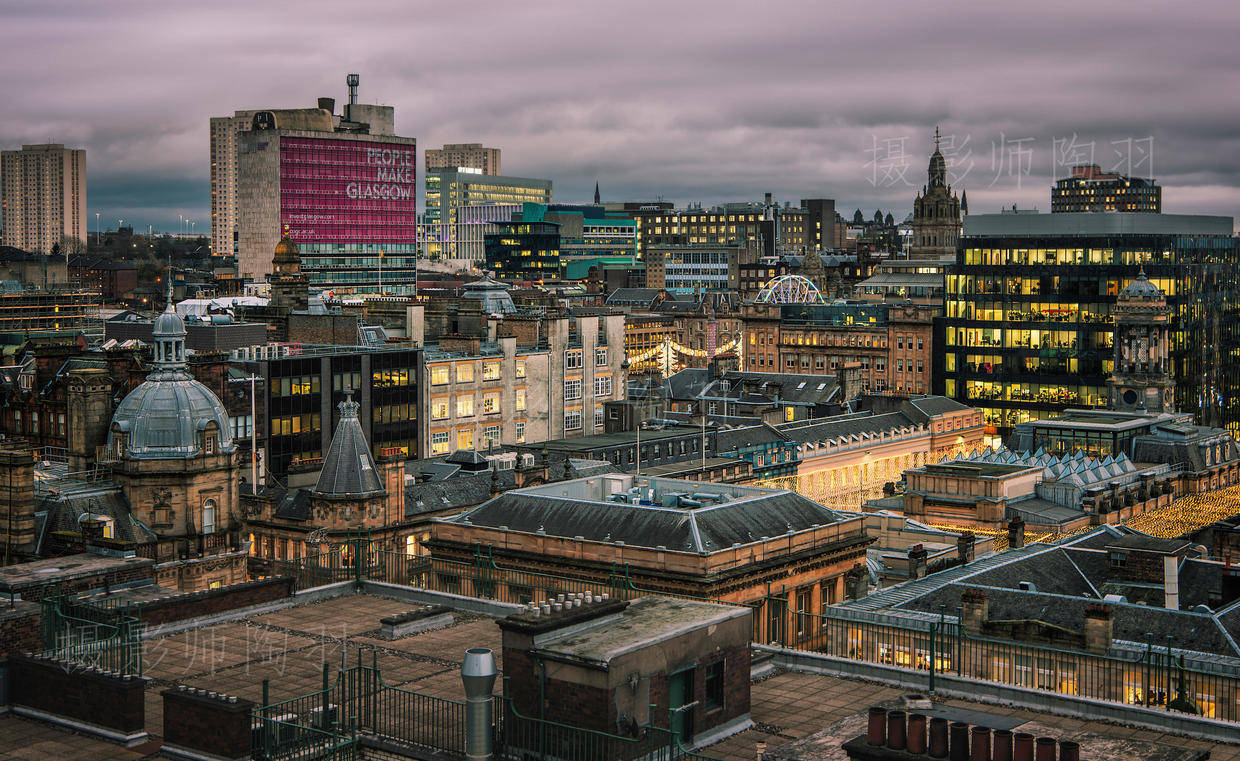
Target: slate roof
(852, 424)
(62, 511)
(935, 405)
(735, 438)
(349, 468)
(701, 530)
(1068, 576)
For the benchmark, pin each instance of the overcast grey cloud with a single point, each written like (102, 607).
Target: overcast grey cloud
(689, 101)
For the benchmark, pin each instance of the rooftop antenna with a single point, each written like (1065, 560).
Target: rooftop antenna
(168, 275)
(352, 81)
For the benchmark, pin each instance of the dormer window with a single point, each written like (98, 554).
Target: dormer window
(210, 445)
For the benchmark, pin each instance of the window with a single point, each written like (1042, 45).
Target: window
(465, 373)
(572, 359)
(490, 435)
(572, 420)
(490, 403)
(520, 368)
(439, 442)
(490, 371)
(439, 375)
(713, 697)
(208, 517)
(439, 408)
(520, 431)
(598, 417)
(465, 406)
(465, 438)
(572, 389)
(602, 385)
(520, 399)
(600, 357)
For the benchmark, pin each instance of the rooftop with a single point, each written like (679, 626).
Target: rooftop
(672, 514)
(1086, 223)
(796, 715)
(645, 621)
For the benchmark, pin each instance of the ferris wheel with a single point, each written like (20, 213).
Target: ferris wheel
(789, 289)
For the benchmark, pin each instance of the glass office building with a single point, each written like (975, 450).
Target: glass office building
(1027, 326)
(304, 390)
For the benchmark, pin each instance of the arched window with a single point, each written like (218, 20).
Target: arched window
(208, 517)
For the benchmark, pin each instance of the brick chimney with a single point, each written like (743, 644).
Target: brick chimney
(964, 547)
(16, 501)
(1098, 627)
(917, 561)
(1016, 533)
(856, 582)
(974, 610)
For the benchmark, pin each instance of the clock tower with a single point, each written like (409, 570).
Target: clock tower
(1141, 380)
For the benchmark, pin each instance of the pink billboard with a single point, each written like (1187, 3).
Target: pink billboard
(348, 191)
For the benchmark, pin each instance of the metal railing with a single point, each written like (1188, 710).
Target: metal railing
(94, 636)
(1156, 678)
(357, 702)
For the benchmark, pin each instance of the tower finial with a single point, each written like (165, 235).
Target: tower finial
(168, 275)
(936, 137)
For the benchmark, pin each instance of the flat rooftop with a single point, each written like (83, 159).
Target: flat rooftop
(645, 622)
(15, 578)
(979, 469)
(1088, 223)
(653, 489)
(290, 647)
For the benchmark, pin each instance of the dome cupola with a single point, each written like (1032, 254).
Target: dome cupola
(171, 415)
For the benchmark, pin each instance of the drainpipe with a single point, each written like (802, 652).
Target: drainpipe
(478, 672)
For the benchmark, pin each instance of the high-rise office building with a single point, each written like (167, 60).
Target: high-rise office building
(1091, 189)
(469, 155)
(447, 190)
(342, 187)
(449, 219)
(1032, 305)
(42, 196)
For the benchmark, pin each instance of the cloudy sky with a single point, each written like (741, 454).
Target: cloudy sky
(688, 101)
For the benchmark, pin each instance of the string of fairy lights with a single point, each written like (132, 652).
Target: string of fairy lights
(668, 355)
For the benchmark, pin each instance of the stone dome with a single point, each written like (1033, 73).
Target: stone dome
(164, 418)
(287, 248)
(1141, 289)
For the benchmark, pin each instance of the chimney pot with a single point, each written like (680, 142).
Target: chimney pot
(959, 742)
(916, 740)
(1069, 751)
(938, 737)
(876, 730)
(1023, 747)
(1003, 745)
(1044, 749)
(895, 730)
(980, 744)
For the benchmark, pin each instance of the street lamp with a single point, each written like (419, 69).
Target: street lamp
(638, 415)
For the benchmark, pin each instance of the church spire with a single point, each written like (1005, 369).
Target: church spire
(597, 198)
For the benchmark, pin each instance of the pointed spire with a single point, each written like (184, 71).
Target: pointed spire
(349, 467)
(936, 137)
(597, 198)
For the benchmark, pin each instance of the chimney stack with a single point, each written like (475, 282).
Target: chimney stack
(1171, 582)
(974, 610)
(1098, 627)
(917, 561)
(964, 547)
(1016, 533)
(17, 504)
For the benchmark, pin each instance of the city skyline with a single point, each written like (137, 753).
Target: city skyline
(683, 104)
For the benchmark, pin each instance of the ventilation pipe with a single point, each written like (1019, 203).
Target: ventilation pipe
(1171, 582)
(478, 672)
